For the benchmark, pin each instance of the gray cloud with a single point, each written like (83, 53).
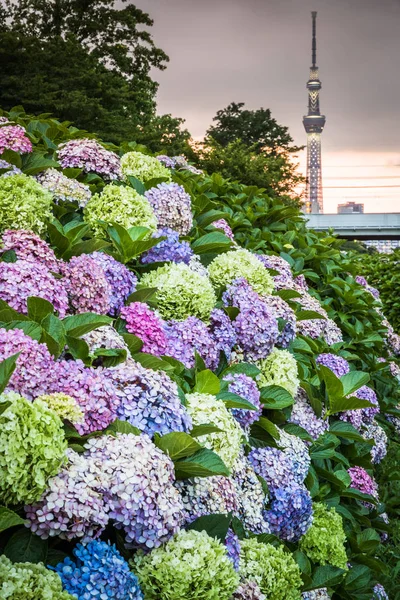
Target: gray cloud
(258, 52)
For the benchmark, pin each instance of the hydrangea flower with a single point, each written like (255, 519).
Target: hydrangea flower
(121, 280)
(192, 565)
(284, 279)
(196, 266)
(379, 593)
(273, 569)
(143, 167)
(24, 278)
(297, 451)
(363, 482)
(332, 333)
(373, 291)
(93, 391)
(73, 505)
(320, 594)
(105, 337)
(11, 169)
(301, 283)
(376, 433)
(313, 328)
(290, 514)
(244, 386)
(362, 416)
(24, 203)
(324, 541)
(222, 332)
(63, 188)
(147, 325)
(250, 496)
(286, 319)
(180, 292)
(338, 365)
(90, 156)
(204, 408)
(13, 137)
(227, 267)
(167, 161)
(187, 337)
(206, 496)
(233, 548)
(32, 435)
(35, 371)
(279, 368)
(225, 227)
(119, 204)
(87, 286)
(99, 571)
(28, 581)
(64, 406)
(168, 250)
(303, 415)
(172, 206)
(249, 590)
(148, 400)
(256, 325)
(31, 248)
(273, 465)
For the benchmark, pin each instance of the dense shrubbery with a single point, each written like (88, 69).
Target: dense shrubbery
(223, 434)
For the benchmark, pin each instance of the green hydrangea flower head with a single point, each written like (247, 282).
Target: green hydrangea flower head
(32, 449)
(191, 566)
(279, 368)
(143, 167)
(274, 570)
(181, 292)
(241, 263)
(24, 204)
(65, 407)
(205, 408)
(28, 581)
(122, 205)
(324, 542)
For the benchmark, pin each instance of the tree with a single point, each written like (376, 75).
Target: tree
(255, 128)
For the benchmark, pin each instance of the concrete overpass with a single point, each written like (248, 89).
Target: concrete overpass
(366, 226)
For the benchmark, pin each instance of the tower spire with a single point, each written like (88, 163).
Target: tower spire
(314, 124)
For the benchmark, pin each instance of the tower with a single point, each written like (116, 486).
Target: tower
(314, 124)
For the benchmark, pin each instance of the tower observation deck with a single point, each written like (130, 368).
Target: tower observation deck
(314, 124)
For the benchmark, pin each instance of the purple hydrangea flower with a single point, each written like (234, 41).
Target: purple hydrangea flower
(172, 206)
(282, 310)
(304, 416)
(338, 365)
(249, 590)
(12, 169)
(63, 188)
(148, 399)
(313, 328)
(167, 161)
(285, 277)
(90, 156)
(121, 280)
(13, 137)
(147, 325)
(363, 482)
(99, 571)
(379, 593)
(244, 386)
(377, 434)
(362, 416)
(273, 465)
(297, 451)
(24, 278)
(301, 283)
(225, 227)
(290, 515)
(31, 248)
(250, 495)
(203, 496)
(222, 331)
(169, 250)
(362, 281)
(233, 548)
(319, 594)
(87, 286)
(190, 336)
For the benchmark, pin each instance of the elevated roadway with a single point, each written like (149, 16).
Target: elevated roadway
(367, 226)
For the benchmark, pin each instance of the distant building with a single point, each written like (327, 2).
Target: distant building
(349, 208)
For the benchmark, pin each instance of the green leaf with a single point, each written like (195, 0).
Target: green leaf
(325, 576)
(203, 463)
(288, 294)
(246, 368)
(305, 315)
(235, 401)
(353, 381)
(7, 367)
(298, 431)
(268, 426)
(55, 327)
(136, 184)
(357, 495)
(85, 247)
(177, 445)
(342, 404)
(334, 386)
(275, 397)
(25, 546)
(302, 561)
(204, 429)
(110, 357)
(8, 518)
(357, 578)
(346, 431)
(54, 557)
(34, 330)
(78, 325)
(78, 348)
(142, 295)
(207, 383)
(211, 242)
(216, 525)
(368, 541)
(9, 256)
(152, 362)
(57, 237)
(119, 426)
(134, 343)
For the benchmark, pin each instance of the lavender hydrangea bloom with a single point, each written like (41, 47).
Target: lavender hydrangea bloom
(379, 593)
(169, 250)
(12, 169)
(301, 283)
(376, 433)
(362, 281)
(13, 137)
(172, 206)
(30, 247)
(362, 416)
(338, 365)
(233, 548)
(87, 286)
(273, 465)
(222, 332)
(304, 416)
(90, 156)
(148, 399)
(251, 496)
(256, 326)
(203, 496)
(190, 336)
(362, 481)
(167, 161)
(99, 571)
(249, 590)
(63, 188)
(332, 333)
(290, 515)
(121, 280)
(105, 337)
(320, 594)
(225, 227)
(147, 325)
(244, 386)
(296, 450)
(282, 310)
(285, 277)
(23, 278)
(313, 328)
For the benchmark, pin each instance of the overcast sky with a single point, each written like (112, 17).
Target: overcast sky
(259, 52)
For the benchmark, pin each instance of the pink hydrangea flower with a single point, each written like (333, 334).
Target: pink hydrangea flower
(30, 247)
(147, 325)
(13, 137)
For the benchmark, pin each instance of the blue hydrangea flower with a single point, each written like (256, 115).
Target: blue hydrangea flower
(99, 573)
(222, 331)
(291, 512)
(233, 548)
(338, 365)
(244, 386)
(168, 250)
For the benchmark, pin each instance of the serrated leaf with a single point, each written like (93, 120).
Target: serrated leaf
(119, 426)
(78, 325)
(343, 404)
(152, 362)
(368, 540)
(346, 430)
(134, 343)
(78, 348)
(216, 525)
(274, 397)
(9, 518)
(211, 242)
(325, 576)
(177, 444)
(235, 401)
(305, 315)
(7, 368)
(204, 429)
(353, 381)
(142, 295)
(207, 383)
(203, 463)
